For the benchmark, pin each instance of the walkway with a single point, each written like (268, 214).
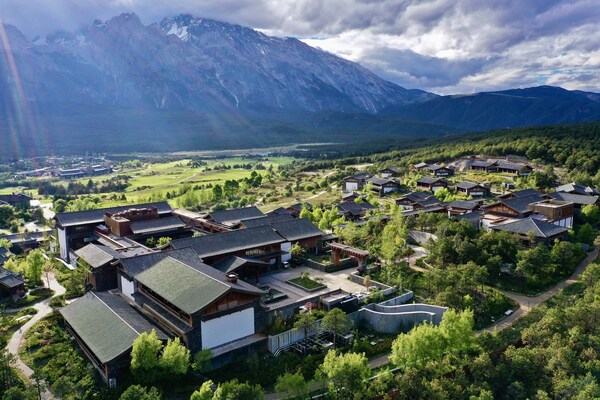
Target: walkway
(527, 303)
(43, 309)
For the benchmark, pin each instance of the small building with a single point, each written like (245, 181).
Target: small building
(422, 166)
(484, 166)
(459, 207)
(105, 326)
(383, 186)
(17, 200)
(514, 207)
(513, 168)
(520, 194)
(543, 231)
(72, 173)
(440, 170)
(431, 184)
(296, 209)
(11, 284)
(579, 201)
(575, 188)
(231, 219)
(556, 212)
(353, 211)
(389, 172)
(473, 189)
(102, 262)
(408, 201)
(351, 196)
(356, 182)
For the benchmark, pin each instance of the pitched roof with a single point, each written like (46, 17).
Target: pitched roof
(9, 279)
(464, 204)
(393, 169)
(97, 255)
(360, 176)
(421, 165)
(157, 225)
(107, 324)
(521, 204)
(354, 208)
(189, 287)
(232, 263)
(299, 206)
(575, 198)
(416, 196)
(382, 181)
(139, 263)
(266, 220)
(296, 229)
(541, 229)
(97, 216)
(526, 193)
(428, 180)
(576, 188)
(435, 167)
(236, 214)
(279, 211)
(512, 166)
(229, 242)
(483, 163)
(468, 185)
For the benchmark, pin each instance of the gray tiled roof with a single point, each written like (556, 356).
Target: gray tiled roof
(97, 255)
(229, 242)
(575, 198)
(296, 229)
(428, 180)
(353, 207)
(464, 204)
(382, 181)
(521, 204)
(157, 225)
(266, 220)
(483, 163)
(9, 279)
(236, 214)
(97, 216)
(540, 228)
(467, 185)
(107, 324)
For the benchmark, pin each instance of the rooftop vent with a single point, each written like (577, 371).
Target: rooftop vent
(231, 277)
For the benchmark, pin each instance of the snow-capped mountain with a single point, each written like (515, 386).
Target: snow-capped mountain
(187, 63)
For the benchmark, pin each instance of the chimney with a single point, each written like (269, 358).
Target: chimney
(231, 277)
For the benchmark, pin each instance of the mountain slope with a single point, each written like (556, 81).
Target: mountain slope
(543, 105)
(187, 63)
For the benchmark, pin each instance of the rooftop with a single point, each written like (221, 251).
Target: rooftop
(266, 220)
(296, 229)
(97, 216)
(229, 242)
(540, 228)
(235, 215)
(575, 198)
(157, 225)
(107, 324)
(97, 255)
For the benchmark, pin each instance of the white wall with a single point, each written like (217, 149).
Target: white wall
(127, 287)
(228, 328)
(350, 186)
(62, 241)
(287, 246)
(388, 189)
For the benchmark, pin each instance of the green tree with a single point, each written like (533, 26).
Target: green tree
(233, 390)
(297, 250)
(7, 213)
(34, 261)
(204, 393)
(592, 213)
(145, 363)
(585, 234)
(202, 360)
(346, 374)
(5, 243)
(163, 241)
(304, 321)
(293, 385)
(137, 392)
(175, 358)
(337, 322)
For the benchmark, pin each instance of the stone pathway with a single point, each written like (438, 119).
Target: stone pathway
(43, 309)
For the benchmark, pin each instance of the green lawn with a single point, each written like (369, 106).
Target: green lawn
(307, 283)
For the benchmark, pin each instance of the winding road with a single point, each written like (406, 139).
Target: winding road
(43, 309)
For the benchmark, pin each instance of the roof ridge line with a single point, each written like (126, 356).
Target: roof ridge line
(113, 311)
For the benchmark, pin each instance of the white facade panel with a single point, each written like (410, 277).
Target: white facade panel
(226, 329)
(127, 287)
(287, 247)
(350, 186)
(62, 241)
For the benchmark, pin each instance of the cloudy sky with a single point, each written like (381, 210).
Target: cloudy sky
(444, 46)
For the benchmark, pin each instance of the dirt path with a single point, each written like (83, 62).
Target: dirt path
(43, 309)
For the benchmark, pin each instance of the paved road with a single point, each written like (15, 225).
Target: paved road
(43, 309)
